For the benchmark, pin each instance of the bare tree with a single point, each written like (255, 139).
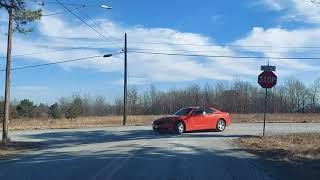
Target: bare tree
(99, 106)
(133, 99)
(314, 91)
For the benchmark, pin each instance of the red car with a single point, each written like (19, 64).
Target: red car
(192, 119)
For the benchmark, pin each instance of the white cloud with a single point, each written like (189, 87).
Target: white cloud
(276, 41)
(274, 4)
(57, 33)
(148, 67)
(295, 10)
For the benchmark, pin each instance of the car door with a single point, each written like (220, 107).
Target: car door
(196, 120)
(210, 118)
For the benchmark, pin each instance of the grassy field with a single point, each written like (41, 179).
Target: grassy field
(297, 155)
(83, 122)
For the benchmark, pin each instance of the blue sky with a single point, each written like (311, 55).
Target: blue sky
(271, 23)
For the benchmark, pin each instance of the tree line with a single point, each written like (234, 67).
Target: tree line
(235, 97)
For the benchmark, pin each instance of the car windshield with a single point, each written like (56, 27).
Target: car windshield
(183, 112)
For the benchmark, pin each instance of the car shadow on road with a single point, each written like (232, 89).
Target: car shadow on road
(75, 138)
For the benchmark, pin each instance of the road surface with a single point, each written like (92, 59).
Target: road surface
(138, 153)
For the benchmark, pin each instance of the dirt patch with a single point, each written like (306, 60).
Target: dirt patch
(296, 155)
(13, 149)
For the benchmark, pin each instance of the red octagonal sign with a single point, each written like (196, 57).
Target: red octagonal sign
(267, 79)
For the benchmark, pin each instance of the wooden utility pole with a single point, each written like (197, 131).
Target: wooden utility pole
(125, 81)
(6, 117)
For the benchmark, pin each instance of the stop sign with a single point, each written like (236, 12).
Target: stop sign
(267, 79)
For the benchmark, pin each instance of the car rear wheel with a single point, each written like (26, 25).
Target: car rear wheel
(221, 125)
(179, 128)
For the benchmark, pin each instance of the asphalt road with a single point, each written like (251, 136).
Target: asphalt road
(139, 153)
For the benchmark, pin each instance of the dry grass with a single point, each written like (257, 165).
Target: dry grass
(294, 156)
(84, 122)
(292, 147)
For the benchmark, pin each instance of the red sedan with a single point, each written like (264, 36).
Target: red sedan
(192, 119)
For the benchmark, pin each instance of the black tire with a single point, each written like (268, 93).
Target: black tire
(179, 127)
(221, 125)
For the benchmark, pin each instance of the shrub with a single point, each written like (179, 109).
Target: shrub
(54, 111)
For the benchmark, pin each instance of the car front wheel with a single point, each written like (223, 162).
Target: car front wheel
(221, 125)
(179, 128)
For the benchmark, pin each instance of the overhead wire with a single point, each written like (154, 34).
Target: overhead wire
(220, 51)
(52, 63)
(224, 56)
(58, 62)
(42, 2)
(224, 45)
(97, 25)
(146, 51)
(68, 10)
(150, 49)
(57, 50)
(83, 21)
(65, 11)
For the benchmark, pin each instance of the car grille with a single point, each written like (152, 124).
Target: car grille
(163, 121)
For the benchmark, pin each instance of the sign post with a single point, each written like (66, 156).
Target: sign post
(265, 111)
(267, 79)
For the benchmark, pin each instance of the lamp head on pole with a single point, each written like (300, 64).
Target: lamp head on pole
(106, 6)
(107, 55)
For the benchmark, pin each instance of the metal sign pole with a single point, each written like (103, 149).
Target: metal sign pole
(267, 79)
(265, 112)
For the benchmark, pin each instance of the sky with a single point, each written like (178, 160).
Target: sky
(258, 28)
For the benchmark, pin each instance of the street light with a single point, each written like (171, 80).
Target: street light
(107, 55)
(106, 6)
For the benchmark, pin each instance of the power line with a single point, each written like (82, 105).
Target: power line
(83, 21)
(62, 12)
(226, 56)
(88, 40)
(59, 62)
(96, 24)
(58, 50)
(81, 6)
(226, 45)
(68, 4)
(147, 49)
(84, 6)
(221, 51)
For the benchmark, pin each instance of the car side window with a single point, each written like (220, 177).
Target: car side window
(198, 112)
(208, 111)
